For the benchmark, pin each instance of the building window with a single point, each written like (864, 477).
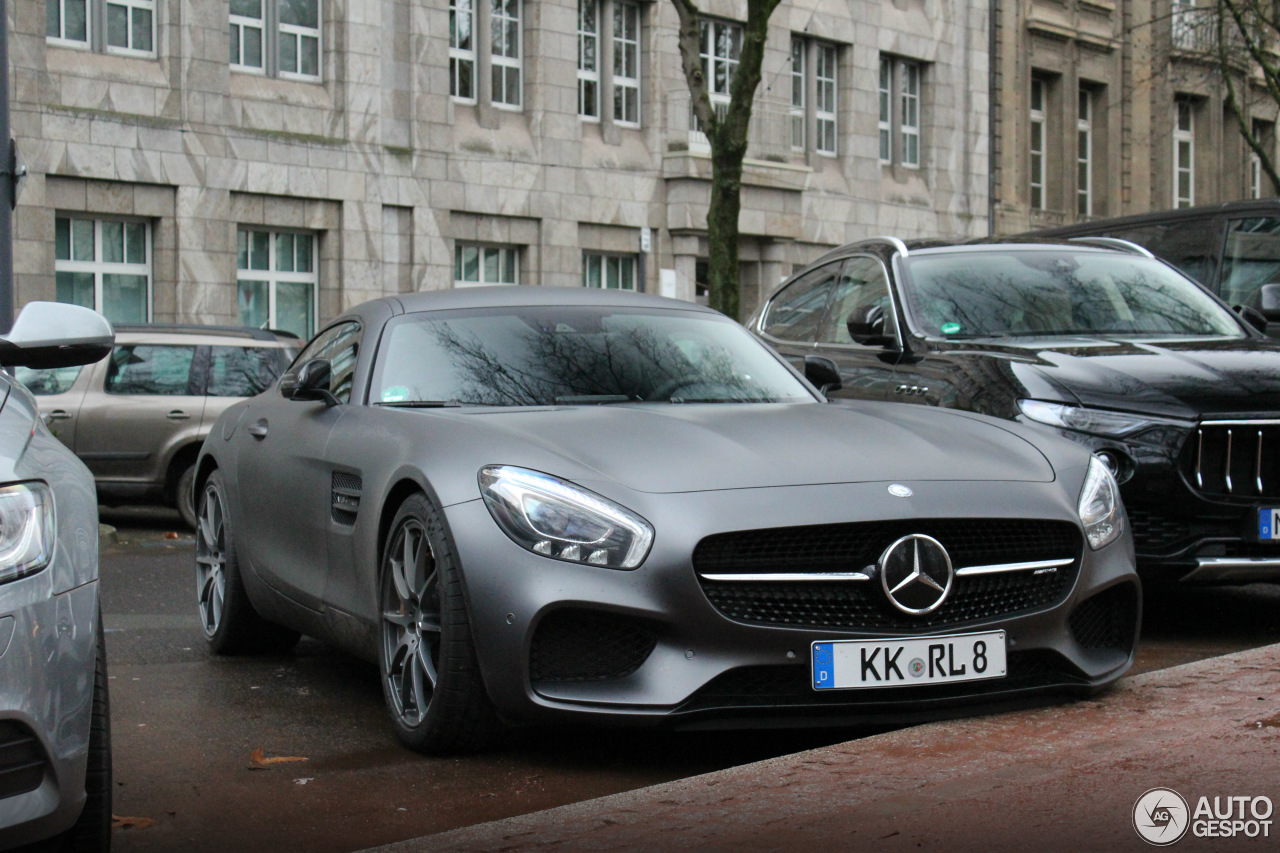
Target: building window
(798, 115)
(1184, 150)
(130, 25)
(505, 52)
(626, 63)
(1037, 162)
(886, 110)
(825, 106)
(104, 264)
(1255, 175)
(588, 59)
(1195, 25)
(721, 48)
(900, 82)
(276, 280)
(289, 49)
(1084, 154)
(611, 272)
(462, 50)
(477, 265)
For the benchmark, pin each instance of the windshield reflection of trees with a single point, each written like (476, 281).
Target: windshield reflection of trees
(629, 364)
(1057, 299)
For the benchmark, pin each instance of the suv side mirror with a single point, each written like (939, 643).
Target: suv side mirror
(869, 329)
(56, 334)
(1269, 301)
(822, 371)
(309, 382)
(1253, 317)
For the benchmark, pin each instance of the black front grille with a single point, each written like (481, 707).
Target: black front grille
(22, 762)
(790, 685)
(1238, 459)
(849, 605)
(1107, 620)
(1155, 533)
(581, 645)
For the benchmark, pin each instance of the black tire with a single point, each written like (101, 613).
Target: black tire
(427, 660)
(231, 625)
(183, 497)
(92, 830)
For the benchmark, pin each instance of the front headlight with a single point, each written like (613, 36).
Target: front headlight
(1100, 505)
(26, 529)
(557, 519)
(1095, 421)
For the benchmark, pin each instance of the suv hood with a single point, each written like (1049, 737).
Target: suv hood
(1173, 378)
(688, 448)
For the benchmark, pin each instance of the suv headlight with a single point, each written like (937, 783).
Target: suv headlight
(26, 529)
(1095, 421)
(557, 519)
(1100, 505)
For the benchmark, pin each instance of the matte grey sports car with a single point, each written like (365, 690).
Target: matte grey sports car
(535, 505)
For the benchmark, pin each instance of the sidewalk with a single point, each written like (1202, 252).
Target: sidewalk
(1060, 778)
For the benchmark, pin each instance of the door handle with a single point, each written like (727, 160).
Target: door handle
(58, 415)
(178, 415)
(258, 429)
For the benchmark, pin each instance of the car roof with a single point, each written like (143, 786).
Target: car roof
(1245, 207)
(510, 296)
(175, 333)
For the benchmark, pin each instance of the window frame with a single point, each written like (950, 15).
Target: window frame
(1084, 151)
(458, 55)
(885, 94)
(272, 34)
(272, 276)
(622, 262)
(499, 60)
(826, 99)
(909, 123)
(1184, 106)
(100, 268)
(799, 106)
(901, 96)
(1037, 153)
(622, 47)
(482, 249)
(589, 77)
(97, 27)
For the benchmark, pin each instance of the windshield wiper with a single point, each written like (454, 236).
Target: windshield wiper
(422, 404)
(594, 399)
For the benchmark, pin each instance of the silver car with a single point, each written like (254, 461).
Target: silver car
(55, 743)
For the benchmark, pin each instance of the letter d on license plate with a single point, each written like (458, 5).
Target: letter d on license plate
(850, 664)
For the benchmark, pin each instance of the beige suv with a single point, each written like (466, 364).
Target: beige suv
(138, 417)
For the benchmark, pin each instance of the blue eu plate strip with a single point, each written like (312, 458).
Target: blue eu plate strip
(824, 666)
(1266, 523)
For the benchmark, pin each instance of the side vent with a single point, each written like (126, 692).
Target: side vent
(345, 497)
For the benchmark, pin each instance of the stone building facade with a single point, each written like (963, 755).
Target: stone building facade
(271, 162)
(1112, 107)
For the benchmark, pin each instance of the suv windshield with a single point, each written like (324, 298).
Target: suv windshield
(532, 356)
(1036, 292)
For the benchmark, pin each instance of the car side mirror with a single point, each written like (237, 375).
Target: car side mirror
(309, 382)
(1253, 317)
(868, 330)
(822, 372)
(56, 334)
(1269, 301)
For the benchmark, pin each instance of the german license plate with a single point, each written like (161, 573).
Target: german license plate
(851, 664)
(1269, 523)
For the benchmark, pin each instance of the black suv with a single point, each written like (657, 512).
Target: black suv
(1102, 342)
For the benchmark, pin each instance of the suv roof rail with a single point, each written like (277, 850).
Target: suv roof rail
(197, 329)
(1114, 243)
(895, 242)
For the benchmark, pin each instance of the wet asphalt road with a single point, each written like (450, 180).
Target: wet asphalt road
(186, 726)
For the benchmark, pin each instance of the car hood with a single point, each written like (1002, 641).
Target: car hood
(687, 448)
(1172, 378)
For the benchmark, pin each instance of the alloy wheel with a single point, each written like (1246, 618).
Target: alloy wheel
(211, 561)
(410, 621)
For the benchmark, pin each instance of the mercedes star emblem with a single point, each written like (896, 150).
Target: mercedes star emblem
(916, 574)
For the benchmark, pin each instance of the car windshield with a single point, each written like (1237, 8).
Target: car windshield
(1038, 292)
(575, 355)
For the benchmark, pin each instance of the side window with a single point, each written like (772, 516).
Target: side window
(242, 371)
(1251, 259)
(796, 312)
(1190, 246)
(150, 369)
(341, 346)
(861, 288)
(53, 380)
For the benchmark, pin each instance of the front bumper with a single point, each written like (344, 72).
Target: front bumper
(47, 647)
(652, 649)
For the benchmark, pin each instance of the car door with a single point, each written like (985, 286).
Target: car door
(285, 481)
(861, 290)
(59, 392)
(152, 400)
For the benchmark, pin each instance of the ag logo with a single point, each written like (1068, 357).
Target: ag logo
(1161, 816)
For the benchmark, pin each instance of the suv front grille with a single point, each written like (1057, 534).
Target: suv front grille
(1238, 459)
(848, 605)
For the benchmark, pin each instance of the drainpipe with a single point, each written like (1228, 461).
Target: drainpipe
(992, 106)
(8, 180)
